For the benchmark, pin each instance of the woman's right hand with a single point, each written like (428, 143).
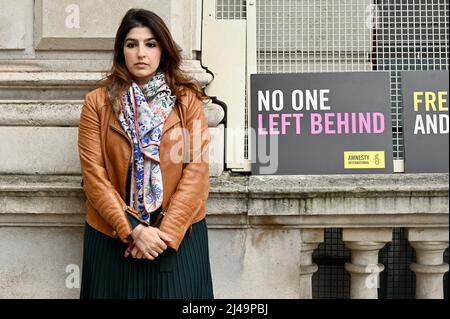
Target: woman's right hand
(149, 242)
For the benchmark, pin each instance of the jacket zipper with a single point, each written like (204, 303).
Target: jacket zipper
(127, 210)
(129, 157)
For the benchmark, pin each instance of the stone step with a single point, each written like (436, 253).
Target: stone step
(38, 200)
(40, 113)
(32, 199)
(48, 79)
(37, 86)
(54, 150)
(57, 184)
(29, 84)
(39, 150)
(62, 64)
(67, 113)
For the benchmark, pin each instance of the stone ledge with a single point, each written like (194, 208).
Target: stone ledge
(42, 113)
(305, 186)
(65, 85)
(39, 150)
(83, 78)
(48, 79)
(97, 63)
(244, 186)
(66, 113)
(228, 184)
(59, 200)
(40, 183)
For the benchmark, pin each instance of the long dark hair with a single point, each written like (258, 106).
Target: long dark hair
(119, 79)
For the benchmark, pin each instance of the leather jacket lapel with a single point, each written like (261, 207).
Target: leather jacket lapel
(172, 120)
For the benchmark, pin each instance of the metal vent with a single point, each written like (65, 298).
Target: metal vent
(231, 9)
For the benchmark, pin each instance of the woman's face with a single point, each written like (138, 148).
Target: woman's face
(142, 54)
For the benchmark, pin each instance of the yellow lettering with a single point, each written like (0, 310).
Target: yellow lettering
(442, 100)
(417, 100)
(430, 100)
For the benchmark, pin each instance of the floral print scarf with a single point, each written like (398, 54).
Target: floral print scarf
(143, 115)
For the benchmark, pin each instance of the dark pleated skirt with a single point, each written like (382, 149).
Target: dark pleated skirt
(185, 274)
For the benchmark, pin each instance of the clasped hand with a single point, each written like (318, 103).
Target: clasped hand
(149, 242)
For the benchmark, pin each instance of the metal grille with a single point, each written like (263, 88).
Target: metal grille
(331, 279)
(312, 36)
(397, 281)
(231, 9)
(410, 35)
(354, 35)
(446, 279)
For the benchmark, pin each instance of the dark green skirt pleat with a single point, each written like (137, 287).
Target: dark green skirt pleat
(185, 274)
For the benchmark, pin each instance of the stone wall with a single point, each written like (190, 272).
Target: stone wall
(262, 229)
(52, 54)
(261, 233)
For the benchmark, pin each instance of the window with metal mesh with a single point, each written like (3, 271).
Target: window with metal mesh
(397, 281)
(354, 35)
(409, 35)
(331, 279)
(295, 36)
(231, 9)
(446, 278)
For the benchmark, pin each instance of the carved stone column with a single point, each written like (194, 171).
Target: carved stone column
(311, 238)
(429, 267)
(364, 268)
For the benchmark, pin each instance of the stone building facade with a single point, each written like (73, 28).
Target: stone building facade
(263, 229)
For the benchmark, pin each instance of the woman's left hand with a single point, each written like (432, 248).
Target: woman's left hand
(139, 254)
(149, 242)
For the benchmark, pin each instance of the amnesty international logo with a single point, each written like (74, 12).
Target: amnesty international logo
(364, 159)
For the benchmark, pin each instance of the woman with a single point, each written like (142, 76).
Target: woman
(143, 142)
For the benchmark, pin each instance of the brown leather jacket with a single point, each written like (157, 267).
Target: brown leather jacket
(105, 153)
